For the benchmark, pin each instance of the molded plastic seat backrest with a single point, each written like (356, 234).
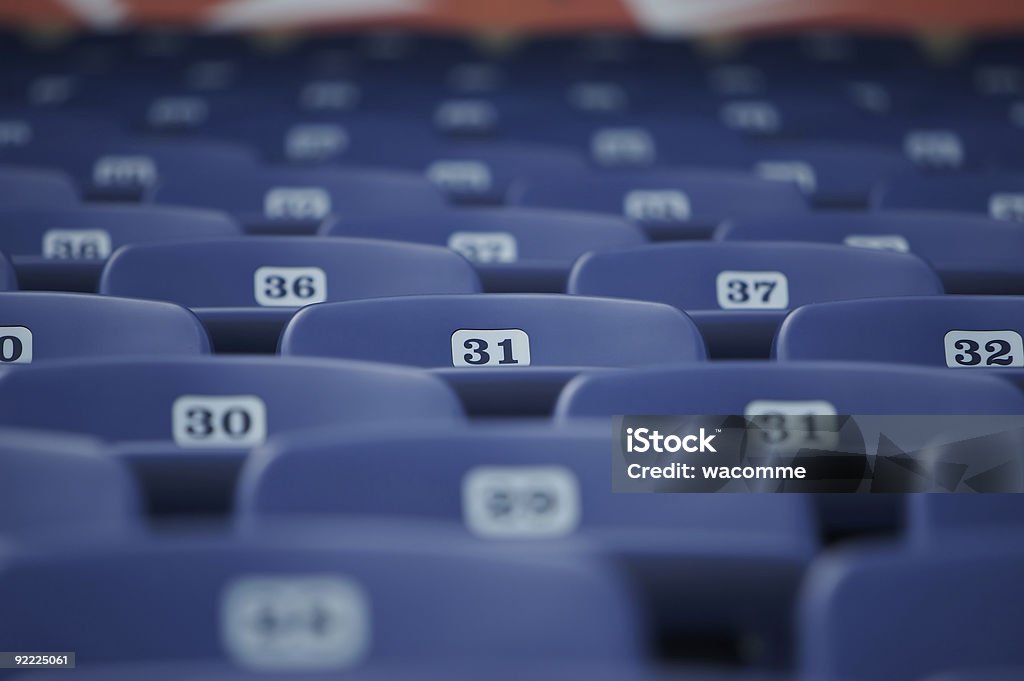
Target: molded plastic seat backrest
(503, 482)
(348, 603)
(92, 232)
(732, 387)
(215, 402)
(741, 277)
(501, 237)
(24, 187)
(39, 327)
(666, 203)
(999, 196)
(972, 254)
(288, 199)
(283, 271)
(961, 332)
(496, 330)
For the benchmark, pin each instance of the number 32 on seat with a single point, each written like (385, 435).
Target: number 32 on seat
(976, 349)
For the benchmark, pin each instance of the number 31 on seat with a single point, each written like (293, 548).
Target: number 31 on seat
(490, 348)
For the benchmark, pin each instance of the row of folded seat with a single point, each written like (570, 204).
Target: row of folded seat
(781, 177)
(522, 337)
(513, 560)
(187, 425)
(246, 290)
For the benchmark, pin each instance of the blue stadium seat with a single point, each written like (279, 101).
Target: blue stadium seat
(33, 187)
(999, 196)
(739, 293)
(25, 127)
(283, 200)
(831, 175)
(804, 388)
(953, 604)
(668, 204)
(40, 327)
(933, 144)
(548, 485)
(327, 138)
(245, 290)
(218, 403)
(485, 172)
(848, 388)
(130, 169)
(971, 254)
(514, 250)
(155, 109)
(633, 141)
(475, 341)
(959, 332)
(65, 249)
(66, 488)
(346, 603)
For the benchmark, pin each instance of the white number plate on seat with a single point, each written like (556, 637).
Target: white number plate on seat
(76, 244)
(484, 247)
(15, 345)
(795, 423)
(981, 349)
(738, 290)
(292, 622)
(521, 501)
(222, 421)
(289, 286)
(490, 348)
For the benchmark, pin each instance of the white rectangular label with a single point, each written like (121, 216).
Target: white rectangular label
(315, 142)
(465, 115)
(794, 423)
(623, 146)
(121, 171)
(297, 203)
(739, 290)
(484, 247)
(598, 97)
(15, 345)
(799, 173)
(759, 117)
(459, 175)
(934, 148)
(289, 286)
(981, 349)
(177, 111)
(14, 133)
(520, 501)
(295, 622)
(221, 421)
(657, 205)
(1006, 207)
(329, 95)
(490, 348)
(879, 242)
(76, 244)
